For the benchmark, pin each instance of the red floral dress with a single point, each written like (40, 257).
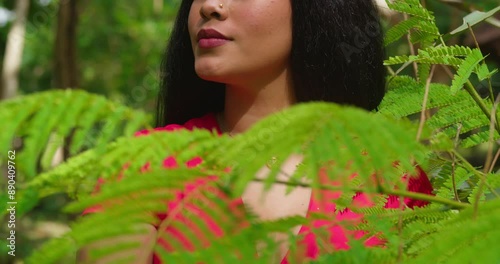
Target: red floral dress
(308, 247)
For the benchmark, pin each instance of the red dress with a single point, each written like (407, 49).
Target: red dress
(338, 236)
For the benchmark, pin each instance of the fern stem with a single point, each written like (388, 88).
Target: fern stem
(424, 104)
(425, 197)
(479, 101)
(473, 93)
(491, 141)
(484, 62)
(453, 164)
(490, 87)
(382, 190)
(492, 166)
(400, 232)
(412, 50)
(390, 70)
(478, 196)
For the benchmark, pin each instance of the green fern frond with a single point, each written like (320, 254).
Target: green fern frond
(444, 60)
(36, 117)
(410, 7)
(53, 251)
(422, 21)
(95, 228)
(74, 174)
(466, 126)
(429, 27)
(416, 235)
(358, 253)
(405, 96)
(140, 198)
(476, 233)
(240, 246)
(428, 215)
(425, 58)
(79, 174)
(447, 51)
(453, 56)
(313, 124)
(493, 181)
(397, 60)
(478, 138)
(452, 178)
(425, 39)
(323, 133)
(465, 70)
(88, 119)
(399, 30)
(457, 113)
(484, 73)
(424, 71)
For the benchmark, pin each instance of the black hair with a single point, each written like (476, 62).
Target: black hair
(337, 56)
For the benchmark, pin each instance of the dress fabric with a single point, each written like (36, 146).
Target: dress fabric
(308, 247)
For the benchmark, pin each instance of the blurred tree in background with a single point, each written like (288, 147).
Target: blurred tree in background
(118, 46)
(112, 48)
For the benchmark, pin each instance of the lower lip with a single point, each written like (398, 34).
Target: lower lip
(211, 43)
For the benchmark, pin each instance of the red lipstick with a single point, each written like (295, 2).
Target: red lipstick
(210, 38)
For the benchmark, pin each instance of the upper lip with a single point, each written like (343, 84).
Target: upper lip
(210, 33)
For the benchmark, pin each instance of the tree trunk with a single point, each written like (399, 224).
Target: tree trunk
(14, 51)
(66, 71)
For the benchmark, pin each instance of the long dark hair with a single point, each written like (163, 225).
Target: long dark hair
(337, 56)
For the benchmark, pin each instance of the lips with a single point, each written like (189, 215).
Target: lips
(211, 38)
(210, 34)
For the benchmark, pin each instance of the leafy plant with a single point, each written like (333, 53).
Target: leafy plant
(459, 222)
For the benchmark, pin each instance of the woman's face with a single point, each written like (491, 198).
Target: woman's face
(259, 39)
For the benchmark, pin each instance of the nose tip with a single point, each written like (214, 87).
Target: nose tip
(215, 15)
(213, 9)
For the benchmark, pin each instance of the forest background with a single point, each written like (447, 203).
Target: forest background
(114, 48)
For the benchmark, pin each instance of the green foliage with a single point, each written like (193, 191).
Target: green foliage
(328, 134)
(401, 29)
(152, 188)
(452, 113)
(48, 117)
(465, 70)
(449, 246)
(422, 22)
(459, 222)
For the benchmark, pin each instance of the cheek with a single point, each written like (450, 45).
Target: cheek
(271, 21)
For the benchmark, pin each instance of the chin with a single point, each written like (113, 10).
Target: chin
(211, 75)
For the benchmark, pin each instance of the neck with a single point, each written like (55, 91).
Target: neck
(248, 103)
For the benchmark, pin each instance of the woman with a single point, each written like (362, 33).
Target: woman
(277, 53)
(230, 63)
